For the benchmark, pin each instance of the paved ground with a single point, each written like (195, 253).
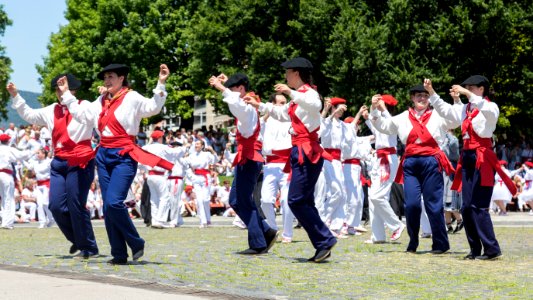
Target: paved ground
(202, 264)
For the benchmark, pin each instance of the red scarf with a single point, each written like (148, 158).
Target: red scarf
(427, 146)
(120, 138)
(76, 154)
(249, 148)
(486, 160)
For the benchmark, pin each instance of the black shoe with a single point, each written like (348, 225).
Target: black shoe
(251, 251)
(138, 254)
(73, 249)
(84, 254)
(450, 228)
(437, 252)
(298, 226)
(410, 251)
(459, 227)
(117, 261)
(469, 256)
(271, 237)
(322, 254)
(489, 257)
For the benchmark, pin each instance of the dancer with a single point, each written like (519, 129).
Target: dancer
(118, 113)
(248, 161)
(306, 157)
(72, 168)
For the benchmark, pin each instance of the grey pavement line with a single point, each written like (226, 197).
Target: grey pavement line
(125, 282)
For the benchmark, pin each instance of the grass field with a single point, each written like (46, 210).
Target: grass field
(206, 259)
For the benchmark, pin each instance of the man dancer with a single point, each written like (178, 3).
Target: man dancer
(248, 161)
(276, 147)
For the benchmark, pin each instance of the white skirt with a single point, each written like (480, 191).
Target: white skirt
(501, 192)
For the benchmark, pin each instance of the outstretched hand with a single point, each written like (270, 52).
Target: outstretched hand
(252, 101)
(216, 83)
(62, 84)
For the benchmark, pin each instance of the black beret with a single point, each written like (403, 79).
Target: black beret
(298, 63)
(418, 89)
(73, 82)
(120, 69)
(236, 80)
(175, 144)
(476, 80)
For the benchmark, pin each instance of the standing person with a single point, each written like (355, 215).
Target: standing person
(475, 171)
(452, 199)
(175, 184)
(118, 113)
(354, 150)
(422, 129)
(198, 163)
(526, 196)
(41, 167)
(71, 169)
(501, 195)
(384, 169)
(332, 134)
(248, 161)
(306, 157)
(276, 148)
(160, 194)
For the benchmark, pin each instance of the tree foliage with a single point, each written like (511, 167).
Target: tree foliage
(5, 64)
(358, 47)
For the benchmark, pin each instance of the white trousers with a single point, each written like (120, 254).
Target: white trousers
(175, 186)
(354, 194)
(335, 194)
(424, 220)
(159, 197)
(201, 190)
(274, 181)
(7, 195)
(381, 213)
(95, 206)
(320, 196)
(43, 212)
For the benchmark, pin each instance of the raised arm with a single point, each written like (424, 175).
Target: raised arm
(451, 118)
(149, 107)
(379, 122)
(489, 109)
(33, 116)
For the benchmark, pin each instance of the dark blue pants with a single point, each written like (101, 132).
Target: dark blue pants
(301, 200)
(422, 177)
(116, 174)
(69, 187)
(242, 201)
(475, 209)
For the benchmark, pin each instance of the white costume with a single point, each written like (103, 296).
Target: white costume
(276, 148)
(42, 174)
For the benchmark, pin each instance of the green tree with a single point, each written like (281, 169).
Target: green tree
(5, 65)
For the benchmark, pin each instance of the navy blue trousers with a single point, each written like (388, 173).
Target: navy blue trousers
(242, 201)
(301, 200)
(422, 177)
(69, 187)
(116, 174)
(475, 209)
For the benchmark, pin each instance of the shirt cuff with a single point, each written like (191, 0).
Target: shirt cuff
(434, 98)
(265, 107)
(476, 101)
(67, 98)
(160, 88)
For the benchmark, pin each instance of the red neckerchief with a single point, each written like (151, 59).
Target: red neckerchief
(249, 148)
(76, 154)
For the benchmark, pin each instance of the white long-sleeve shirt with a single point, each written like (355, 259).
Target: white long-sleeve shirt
(133, 108)
(276, 136)
(355, 146)
(77, 131)
(164, 151)
(40, 167)
(246, 114)
(332, 132)
(382, 140)
(9, 155)
(485, 122)
(308, 110)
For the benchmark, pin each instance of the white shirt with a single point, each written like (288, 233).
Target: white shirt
(276, 136)
(163, 151)
(13, 134)
(133, 108)
(382, 140)
(45, 117)
(308, 110)
(246, 114)
(40, 167)
(332, 132)
(10, 155)
(355, 146)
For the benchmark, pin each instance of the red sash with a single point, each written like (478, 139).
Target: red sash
(306, 142)
(45, 182)
(248, 148)
(383, 155)
(176, 180)
(152, 172)
(8, 171)
(427, 146)
(279, 156)
(357, 161)
(76, 154)
(203, 172)
(352, 161)
(335, 153)
(486, 160)
(120, 138)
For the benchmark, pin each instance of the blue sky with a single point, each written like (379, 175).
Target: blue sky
(26, 39)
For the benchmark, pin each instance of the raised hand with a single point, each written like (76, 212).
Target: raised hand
(12, 89)
(164, 72)
(102, 90)
(252, 101)
(429, 86)
(62, 84)
(282, 88)
(216, 83)
(375, 101)
(222, 78)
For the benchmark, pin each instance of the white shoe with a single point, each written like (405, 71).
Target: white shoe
(239, 224)
(397, 233)
(50, 223)
(42, 225)
(338, 234)
(360, 229)
(373, 242)
(531, 212)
